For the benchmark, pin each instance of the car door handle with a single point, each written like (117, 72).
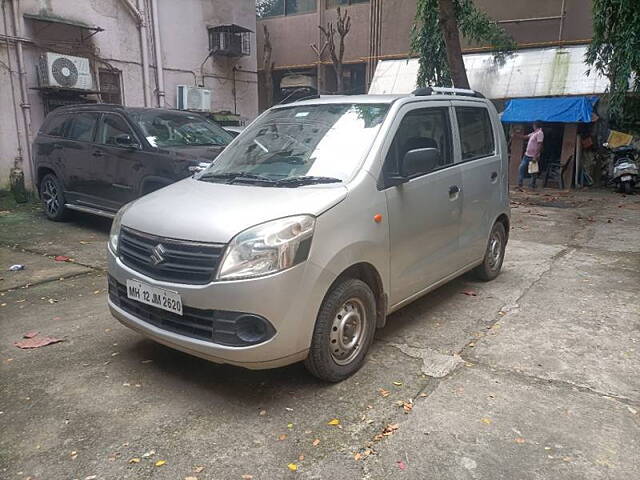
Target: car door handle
(494, 176)
(98, 153)
(453, 189)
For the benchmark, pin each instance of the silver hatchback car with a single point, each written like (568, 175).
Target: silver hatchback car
(318, 221)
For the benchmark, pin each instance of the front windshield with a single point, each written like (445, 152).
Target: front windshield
(163, 128)
(325, 140)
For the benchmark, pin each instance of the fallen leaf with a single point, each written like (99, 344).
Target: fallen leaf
(469, 293)
(35, 342)
(357, 456)
(30, 334)
(423, 394)
(316, 442)
(91, 477)
(262, 413)
(486, 420)
(401, 465)
(282, 437)
(247, 477)
(335, 421)
(289, 425)
(134, 460)
(160, 463)
(407, 406)
(301, 457)
(190, 478)
(397, 384)
(520, 440)
(384, 393)
(148, 454)
(293, 467)
(198, 469)
(61, 258)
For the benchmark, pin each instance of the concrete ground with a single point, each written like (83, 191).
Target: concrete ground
(534, 377)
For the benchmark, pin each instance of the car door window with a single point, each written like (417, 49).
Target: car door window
(83, 126)
(57, 125)
(476, 134)
(421, 128)
(111, 127)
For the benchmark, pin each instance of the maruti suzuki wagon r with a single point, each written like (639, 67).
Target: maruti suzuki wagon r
(319, 220)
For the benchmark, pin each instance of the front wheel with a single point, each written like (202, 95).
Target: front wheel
(52, 196)
(494, 255)
(344, 331)
(628, 188)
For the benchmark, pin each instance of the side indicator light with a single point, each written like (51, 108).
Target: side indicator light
(377, 218)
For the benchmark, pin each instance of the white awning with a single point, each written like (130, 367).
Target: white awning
(526, 73)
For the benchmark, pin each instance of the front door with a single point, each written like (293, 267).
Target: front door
(424, 213)
(482, 180)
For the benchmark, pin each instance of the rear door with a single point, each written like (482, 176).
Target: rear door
(424, 213)
(82, 181)
(481, 168)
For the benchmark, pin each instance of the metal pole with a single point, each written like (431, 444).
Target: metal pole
(158, 50)
(22, 77)
(562, 15)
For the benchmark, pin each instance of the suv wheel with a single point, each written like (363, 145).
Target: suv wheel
(344, 331)
(52, 196)
(494, 256)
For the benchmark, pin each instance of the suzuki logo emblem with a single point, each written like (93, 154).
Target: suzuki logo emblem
(157, 254)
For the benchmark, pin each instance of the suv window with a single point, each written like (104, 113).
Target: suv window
(422, 128)
(57, 125)
(476, 134)
(83, 126)
(112, 126)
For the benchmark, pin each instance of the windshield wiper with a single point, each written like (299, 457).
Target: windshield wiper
(305, 180)
(237, 176)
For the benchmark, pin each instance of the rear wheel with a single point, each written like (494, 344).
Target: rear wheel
(628, 188)
(494, 255)
(52, 196)
(344, 331)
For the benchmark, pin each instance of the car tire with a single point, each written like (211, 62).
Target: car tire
(52, 197)
(343, 332)
(628, 188)
(494, 254)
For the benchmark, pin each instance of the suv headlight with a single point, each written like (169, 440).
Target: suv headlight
(268, 248)
(114, 234)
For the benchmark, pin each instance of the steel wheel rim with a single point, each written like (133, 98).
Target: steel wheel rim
(495, 250)
(50, 197)
(348, 331)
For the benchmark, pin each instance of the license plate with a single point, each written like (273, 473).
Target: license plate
(154, 296)
(626, 178)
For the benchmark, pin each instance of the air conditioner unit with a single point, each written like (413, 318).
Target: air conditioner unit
(193, 98)
(65, 71)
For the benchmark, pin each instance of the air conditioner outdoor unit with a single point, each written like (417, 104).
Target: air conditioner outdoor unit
(65, 71)
(193, 98)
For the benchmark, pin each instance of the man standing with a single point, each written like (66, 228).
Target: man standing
(532, 153)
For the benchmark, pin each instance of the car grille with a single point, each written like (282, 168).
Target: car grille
(168, 259)
(216, 326)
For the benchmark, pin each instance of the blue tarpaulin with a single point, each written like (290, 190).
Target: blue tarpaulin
(558, 109)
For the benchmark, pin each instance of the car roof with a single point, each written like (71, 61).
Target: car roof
(378, 99)
(108, 107)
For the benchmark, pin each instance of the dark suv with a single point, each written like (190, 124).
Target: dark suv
(95, 158)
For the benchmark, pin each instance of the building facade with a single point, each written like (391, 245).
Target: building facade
(381, 30)
(136, 52)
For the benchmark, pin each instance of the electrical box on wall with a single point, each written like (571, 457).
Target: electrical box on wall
(65, 71)
(193, 98)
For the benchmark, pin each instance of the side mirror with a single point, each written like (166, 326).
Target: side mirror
(420, 160)
(125, 140)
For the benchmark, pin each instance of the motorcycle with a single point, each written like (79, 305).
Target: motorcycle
(625, 168)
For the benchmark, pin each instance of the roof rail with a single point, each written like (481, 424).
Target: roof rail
(426, 91)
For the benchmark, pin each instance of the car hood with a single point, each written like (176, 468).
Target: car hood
(216, 212)
(205, 153)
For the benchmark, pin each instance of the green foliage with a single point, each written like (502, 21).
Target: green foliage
(428, 43)
(615, 49)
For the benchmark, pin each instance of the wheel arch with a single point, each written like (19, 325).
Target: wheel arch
(366, 272)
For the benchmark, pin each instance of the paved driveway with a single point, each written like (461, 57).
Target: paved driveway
(534, 377)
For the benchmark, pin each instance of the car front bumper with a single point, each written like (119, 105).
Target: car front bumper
(289, 300)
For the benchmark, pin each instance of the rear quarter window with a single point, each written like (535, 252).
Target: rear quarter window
(476, 132)
(56, 125)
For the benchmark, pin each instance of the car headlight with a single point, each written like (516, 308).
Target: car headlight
(114, 234)
(268, 248)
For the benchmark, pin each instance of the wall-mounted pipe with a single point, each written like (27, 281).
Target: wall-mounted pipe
(24, 95)
(138, 14)
(158, 51)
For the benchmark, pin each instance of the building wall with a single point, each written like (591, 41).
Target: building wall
(397, 20)
(183, 26)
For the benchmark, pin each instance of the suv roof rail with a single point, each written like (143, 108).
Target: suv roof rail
(426, 91)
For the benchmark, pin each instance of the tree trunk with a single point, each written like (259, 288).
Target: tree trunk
(339, 79)
(267, 68)
(449, 27)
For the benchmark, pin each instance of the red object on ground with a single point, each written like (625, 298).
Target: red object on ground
(469, 293)
(30, 334)
(36, 342)
(61, 258)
